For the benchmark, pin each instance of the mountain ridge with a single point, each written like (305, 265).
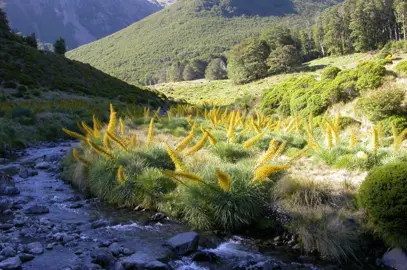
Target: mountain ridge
(77, 21)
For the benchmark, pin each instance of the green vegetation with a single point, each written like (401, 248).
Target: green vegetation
(382, 196)
(60, 47)
(184, 32)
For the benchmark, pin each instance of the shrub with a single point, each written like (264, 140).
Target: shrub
(230, 152)
(283, 59)
(382, 103)
(22, 89)
(384, 62)
(401, 68)
(11, 85)
(400, 122)
(330, 73)
(19, 112)
(383, 197)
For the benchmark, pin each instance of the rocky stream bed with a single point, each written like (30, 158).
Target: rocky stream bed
(46, 224)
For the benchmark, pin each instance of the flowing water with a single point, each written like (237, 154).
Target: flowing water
(74, 230)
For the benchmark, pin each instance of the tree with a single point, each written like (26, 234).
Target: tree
(60, 47)
(401, 11)
(31, 41)
(175, 71)
(247, 61)
(277, 36)
(189, 73)
(216, 70)
(283, 59)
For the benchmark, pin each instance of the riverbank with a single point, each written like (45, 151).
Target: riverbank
(46, 222)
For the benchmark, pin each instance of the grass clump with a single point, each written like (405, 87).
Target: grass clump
(230, 152)
(383, 198)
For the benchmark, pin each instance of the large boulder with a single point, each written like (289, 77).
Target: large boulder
(13, 263)
(395, 258)
(184, 243)
(104, 258)
(7, 185)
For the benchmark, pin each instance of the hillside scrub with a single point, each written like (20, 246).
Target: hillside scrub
(305, 95)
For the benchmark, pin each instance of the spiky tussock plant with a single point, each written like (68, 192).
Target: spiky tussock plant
(133, 141)
(98, 149)
(117, 140)
(122, 126)
(211, 138)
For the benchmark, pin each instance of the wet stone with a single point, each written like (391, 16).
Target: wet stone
(5, 227)
(24, 257)
(34, 248)
(37, 210)
(8, 252)
(13, 263)
(184, 243)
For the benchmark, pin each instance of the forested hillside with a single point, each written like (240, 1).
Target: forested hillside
(192, 32)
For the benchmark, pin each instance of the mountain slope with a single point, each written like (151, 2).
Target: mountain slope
(186, 30)
(78, 21)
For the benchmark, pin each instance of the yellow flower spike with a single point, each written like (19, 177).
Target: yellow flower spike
(189, 176)
(96, 127)
(262, 173)
(122, 126)
(120, 175)
(250, 142)
(117, 141)
(111, 127)
(184, 143)
(76, 155)
(380, 134)
(375, 140)
(352, 139)
(88, 130)
(280, 150)
(75, 135)
(269, 154)
(171, 176)
(175, 158)
(199, 145)
(231, 129)
(99, 149)
(300, 154)
(256, 127)
(106, 142)
(150, 133)
(224, 180)
(146, 113)
(133, 141)
(212, 139)
(328, 135)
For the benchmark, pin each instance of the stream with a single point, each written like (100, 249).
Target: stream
(47, 224)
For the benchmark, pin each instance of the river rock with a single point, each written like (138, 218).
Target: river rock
(5, 204)
(204, 256)
(142, 260)
(7, 186)
(37, 210)
(104, 258)
(118, 266)
(8, 252)
(25, 173)
(184, 243)
(115, 249)
(43, 165)
(395, 258)
(5, 227)
(24, 257)
(157, 217)
(35, 248)
(13, 263)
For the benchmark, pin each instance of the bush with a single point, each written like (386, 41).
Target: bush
(382, 103)
(383, 197)
(400, 122)
(22, 89)
(330, 73)
(19, 112)
(11, 85)
(283, 59)
(401, 68)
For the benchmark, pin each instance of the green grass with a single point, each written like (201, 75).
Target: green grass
(184, 31)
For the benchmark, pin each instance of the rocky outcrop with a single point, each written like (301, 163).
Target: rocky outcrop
(184, 243)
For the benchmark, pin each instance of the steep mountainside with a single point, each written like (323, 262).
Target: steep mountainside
(78, 21)
(186, 30)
